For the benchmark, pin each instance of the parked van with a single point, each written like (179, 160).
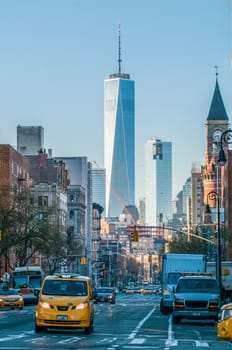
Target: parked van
(65, 301)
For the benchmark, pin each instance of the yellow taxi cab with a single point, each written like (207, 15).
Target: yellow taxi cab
(129, 290)
(224, 325)
(10, 298)
(65, 301)
(147, 290)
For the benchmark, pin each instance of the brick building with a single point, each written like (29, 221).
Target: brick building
(14, 170)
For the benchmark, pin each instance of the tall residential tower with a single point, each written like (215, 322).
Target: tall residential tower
(158, 182)
(119, 140)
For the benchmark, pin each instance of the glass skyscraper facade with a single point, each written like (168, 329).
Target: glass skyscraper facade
(119, 143)
(98, 186)
(158, 182)
(119, 140)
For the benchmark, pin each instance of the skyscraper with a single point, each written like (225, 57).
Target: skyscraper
(119, 140)
(98, 186)
(158, 181)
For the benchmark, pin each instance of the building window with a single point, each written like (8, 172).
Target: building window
(43, 201)
(40, 201)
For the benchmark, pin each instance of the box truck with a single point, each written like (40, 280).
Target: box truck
(226, 275)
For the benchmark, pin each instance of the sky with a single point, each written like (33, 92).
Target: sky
(55, 55)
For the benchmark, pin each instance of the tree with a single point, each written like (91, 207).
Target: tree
(181, 244)
(27, 228)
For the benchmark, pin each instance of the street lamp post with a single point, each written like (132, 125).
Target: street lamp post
(213, 195)
(226, 138)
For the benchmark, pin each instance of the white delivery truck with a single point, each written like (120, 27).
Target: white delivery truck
(173, 267)
(226, 274)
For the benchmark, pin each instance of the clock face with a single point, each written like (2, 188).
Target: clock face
(217, 135)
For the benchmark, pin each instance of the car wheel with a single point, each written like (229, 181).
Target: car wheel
(39, 329)
(176, 319)
(164, 310)
(88, 330)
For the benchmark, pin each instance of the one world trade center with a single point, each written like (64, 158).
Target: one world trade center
(119, 140)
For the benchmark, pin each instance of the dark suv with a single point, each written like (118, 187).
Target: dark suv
(196, 297)
(105, 294)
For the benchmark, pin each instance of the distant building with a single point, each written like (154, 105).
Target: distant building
(187, 192)
(197, 206)
(119, 141)
(99, 187)
(14, 169)
(30, 139)
(49, 185)
(80, 207)
(158, 181)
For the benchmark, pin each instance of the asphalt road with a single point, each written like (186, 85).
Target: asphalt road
(134, 322)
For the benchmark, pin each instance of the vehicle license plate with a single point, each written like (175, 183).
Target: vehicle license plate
(196, 314)
(62, 317)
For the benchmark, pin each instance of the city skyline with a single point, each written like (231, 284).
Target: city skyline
(57, 54)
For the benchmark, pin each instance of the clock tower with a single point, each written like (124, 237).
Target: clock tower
(217, 122)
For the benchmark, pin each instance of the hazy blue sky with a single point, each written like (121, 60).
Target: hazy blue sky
(55, 55)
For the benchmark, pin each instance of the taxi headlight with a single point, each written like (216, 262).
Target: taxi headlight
(82, 306)
(1, 299)
(44, 305)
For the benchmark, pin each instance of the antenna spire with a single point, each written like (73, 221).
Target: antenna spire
(216, 69)
(119, 50)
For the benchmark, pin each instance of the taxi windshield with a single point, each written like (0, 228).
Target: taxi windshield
(65, 288)
(226, 314)
(8, 292)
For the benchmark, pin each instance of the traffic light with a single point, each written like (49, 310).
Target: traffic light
(134, 236)
(212, 239)
(83, 260)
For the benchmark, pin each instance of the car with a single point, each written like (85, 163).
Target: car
(130, 290)
(105, 294)
(196, 297)
(28, 294)
(10, 298)
(148, 290)
(224, 325)
(65, 301)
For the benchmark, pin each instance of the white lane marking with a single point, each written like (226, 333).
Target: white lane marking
(108, 340)
(135, 331)
(12, 337)
(170, 341)
(201, 343)
(138, 341)
(69, 340)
